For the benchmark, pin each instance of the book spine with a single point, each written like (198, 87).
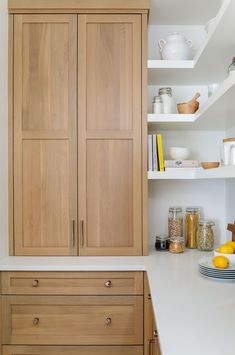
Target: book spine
(160, 152)
(150, 153)
(155, 160)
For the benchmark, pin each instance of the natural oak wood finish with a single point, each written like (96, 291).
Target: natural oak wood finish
(78, 4)
(72, 283)
(73, 320)
(109, 60)
(45, 134)
(72, 350)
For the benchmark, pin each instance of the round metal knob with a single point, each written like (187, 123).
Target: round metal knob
(35, 283)
(108, 283)
(108, 320)
(36, 321)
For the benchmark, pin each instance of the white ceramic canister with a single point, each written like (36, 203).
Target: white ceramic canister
(175, 47)
(228, 151)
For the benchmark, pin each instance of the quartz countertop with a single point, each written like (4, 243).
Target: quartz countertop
(194, 315)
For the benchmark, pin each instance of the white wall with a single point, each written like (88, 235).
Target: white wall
(230, 193)
(3, 128)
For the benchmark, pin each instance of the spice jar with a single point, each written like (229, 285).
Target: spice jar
(157, 105)
(169, 105)
(205, 236)
(175, 222)
(162, 243)
(177, 245)
(191, 224)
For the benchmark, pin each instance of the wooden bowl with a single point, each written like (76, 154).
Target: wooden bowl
(210, 165)
(187, 108)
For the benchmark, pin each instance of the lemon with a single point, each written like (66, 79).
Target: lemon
(226, 249)
(220, 262)
(232, 243)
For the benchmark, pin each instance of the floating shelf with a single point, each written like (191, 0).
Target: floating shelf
(218, 112)
(193, 173)
(212, 60)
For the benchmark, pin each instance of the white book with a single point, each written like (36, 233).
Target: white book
(155, 162)
(181, 163)
(150, 153)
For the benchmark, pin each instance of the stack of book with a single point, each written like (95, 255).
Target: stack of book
(155, 153)
(156, 160)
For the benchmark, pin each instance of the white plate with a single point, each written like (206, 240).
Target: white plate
(218, 271)
(207, 263)
(218, 276)
(230, 257)
(216, 279)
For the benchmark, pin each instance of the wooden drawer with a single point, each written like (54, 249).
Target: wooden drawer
(73, 320)
(72, 283)
(72, 350)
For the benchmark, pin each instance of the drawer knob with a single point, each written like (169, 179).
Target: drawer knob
(108, 283)
(36, 321)
(35, 283)
(108, 320)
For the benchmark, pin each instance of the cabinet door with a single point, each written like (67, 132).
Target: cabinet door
(45, 138)
(109, 138)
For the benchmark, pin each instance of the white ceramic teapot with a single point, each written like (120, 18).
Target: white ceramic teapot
(175, 47)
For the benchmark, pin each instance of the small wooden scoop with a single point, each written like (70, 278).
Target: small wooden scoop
(189, 107)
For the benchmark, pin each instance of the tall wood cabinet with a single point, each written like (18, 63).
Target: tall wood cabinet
(77, 127)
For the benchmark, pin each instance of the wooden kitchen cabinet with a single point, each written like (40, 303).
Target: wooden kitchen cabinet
(77, 109)
(45, 134)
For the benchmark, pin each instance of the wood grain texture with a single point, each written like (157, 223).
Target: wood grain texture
(72, 350)
(110, 164)
(73, 320)
(45, 134)
(79, 4)
(72, 283)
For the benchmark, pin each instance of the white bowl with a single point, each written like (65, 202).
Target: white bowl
(230, 257)
(179, 153)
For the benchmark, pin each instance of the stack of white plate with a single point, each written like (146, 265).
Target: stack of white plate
(207, 269)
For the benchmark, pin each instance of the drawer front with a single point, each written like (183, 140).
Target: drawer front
(72, 283)
(73, 320)
(72, 350)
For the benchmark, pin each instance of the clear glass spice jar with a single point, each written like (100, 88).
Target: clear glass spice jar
(169, 105)
(175, 222)
(177, 245)
(157, 104)
(191, 225)
(162, 243)
(205, 235)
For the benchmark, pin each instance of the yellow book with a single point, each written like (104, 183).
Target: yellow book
(160, 153)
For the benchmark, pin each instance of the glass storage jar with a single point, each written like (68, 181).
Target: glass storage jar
(169, 105)
(162, 243)
(191, 225)
(205, 235)
(157, 105)
(175, 222)
(177, 245)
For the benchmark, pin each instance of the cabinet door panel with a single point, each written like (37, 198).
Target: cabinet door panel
(45, 134)
(109, 56)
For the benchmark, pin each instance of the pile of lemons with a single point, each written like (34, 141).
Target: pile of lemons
(222, 262)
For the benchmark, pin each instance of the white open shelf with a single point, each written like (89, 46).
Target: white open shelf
(217, 113)
(193, 173)
(212, 60)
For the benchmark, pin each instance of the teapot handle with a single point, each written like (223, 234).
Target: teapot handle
(189, 43)
(161, 44)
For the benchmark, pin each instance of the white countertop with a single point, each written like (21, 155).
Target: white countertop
(195, 316)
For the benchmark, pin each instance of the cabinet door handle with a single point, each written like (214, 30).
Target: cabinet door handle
(35, 283)
(150, 346)
(82, 233)
(36, 321)
(108, 284)
(108, 320)
(73, 232)
(155, 334)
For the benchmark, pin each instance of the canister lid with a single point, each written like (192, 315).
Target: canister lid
(192, 210)
(175, 209)
(207, 223)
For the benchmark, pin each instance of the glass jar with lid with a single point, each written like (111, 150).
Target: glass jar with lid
(169, 105)
(175, 222)
(157, 104)
(191, 226)
(177, 245)
(205, 235)
(162, 243)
